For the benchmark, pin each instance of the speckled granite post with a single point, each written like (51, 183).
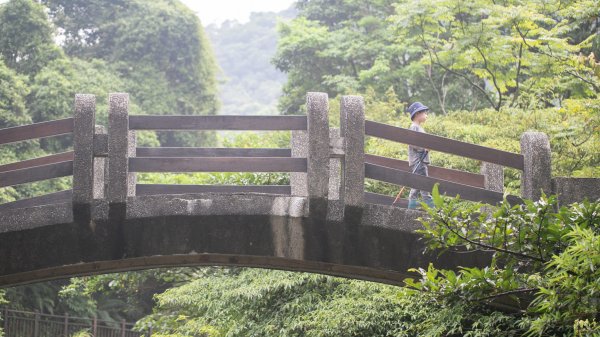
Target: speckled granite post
(118, 149)
(336, 156)
(131, 176)
(299, 145)
(493, 176)
(317, 107)
(83, 148)
(537, 172)
(100, 152)
(352, 121)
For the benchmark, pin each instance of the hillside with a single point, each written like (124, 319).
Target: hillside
(249, 83)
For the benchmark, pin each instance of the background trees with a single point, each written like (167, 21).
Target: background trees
(452, 54)
(490, 70)
(249, 84)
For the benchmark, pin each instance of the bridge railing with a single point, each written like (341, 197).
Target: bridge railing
(192, 159)
(469, 186)
(37, 169)
(126, 159)
(488, 186)
(323, 164)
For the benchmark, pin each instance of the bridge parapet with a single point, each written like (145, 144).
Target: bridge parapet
(323, 221)
(323, 164)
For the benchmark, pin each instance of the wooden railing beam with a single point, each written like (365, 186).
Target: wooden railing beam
(445, 145)
(217, 164)
(220, 122)
(36, 131)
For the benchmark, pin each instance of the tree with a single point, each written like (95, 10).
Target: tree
(251, 302)
(453, 55)
(26, 37)
(158, 47)
(500, 50)
(545, 263)
(328, 46)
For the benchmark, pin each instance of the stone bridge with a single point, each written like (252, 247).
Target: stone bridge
(323, 221)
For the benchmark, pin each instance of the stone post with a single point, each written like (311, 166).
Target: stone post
(352, 122)
(336, 155)
(317, 108)
(493, 176)
(83, 161)
(299, 145)
(131, 152)
(83, 149)
(537, 169)
(119, 185)
(100, 167)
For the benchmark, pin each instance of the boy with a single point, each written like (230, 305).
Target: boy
(418, 157)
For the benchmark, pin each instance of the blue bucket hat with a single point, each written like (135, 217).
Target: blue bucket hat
(415, 108)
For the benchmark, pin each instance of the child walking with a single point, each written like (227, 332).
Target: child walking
(418, 157)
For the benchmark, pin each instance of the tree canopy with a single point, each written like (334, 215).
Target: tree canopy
(455, 55)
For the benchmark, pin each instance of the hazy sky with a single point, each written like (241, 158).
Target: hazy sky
(217, 11)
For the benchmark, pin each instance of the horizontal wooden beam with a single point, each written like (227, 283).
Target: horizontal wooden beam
(223, 164)
(442, 144)
(403, 178)
(37, 130)
(36, 173)
(210, 152)
(154, 189)
(46, 199)
(386, 200)
(462, 177)
(52, 159)
(220, 122)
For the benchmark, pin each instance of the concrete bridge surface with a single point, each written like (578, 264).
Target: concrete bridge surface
(322, 222)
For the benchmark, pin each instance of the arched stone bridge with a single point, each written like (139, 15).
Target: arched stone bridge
(323, 222)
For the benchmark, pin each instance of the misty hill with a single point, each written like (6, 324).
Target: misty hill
(249, 83)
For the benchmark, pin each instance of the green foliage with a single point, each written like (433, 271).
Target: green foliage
(13, 112)
(250, 302)
(544, 263)
(127, 295)
(2, 301)
(159, 48)
(454, 55)
(26, 43)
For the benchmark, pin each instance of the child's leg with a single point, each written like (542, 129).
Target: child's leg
(423, 171)
(412, 196)
(426, 195)
(414, 193)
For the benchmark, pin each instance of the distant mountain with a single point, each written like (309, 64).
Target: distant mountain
(249, 83)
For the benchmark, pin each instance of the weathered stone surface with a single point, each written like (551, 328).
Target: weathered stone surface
(131, 152)
(239, 229)
(118, 147)
(83, 147)
(317, 107)
(336, 154)
(352, 121)
(100, 141)
(35, 217)
(210, 204)
(299, 147)
(493, 176)
(100, 153)
(570, 190)
(537, 172)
